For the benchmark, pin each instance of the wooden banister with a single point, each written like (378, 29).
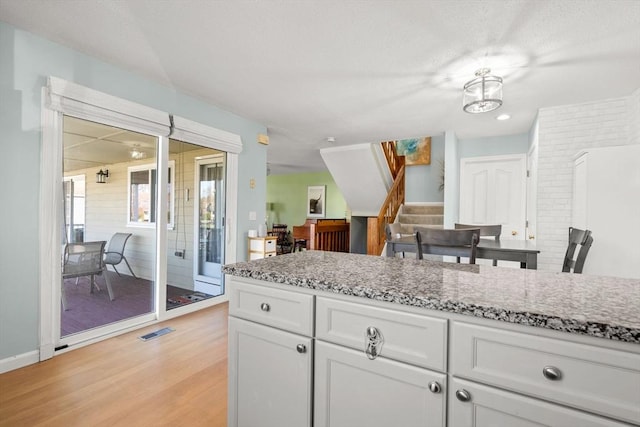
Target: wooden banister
(376, 226)
(394, 161)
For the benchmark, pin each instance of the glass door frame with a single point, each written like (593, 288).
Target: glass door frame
(60, 97)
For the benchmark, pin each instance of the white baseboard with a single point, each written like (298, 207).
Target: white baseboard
(19, 361)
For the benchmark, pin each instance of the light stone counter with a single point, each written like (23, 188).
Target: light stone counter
(605, 307)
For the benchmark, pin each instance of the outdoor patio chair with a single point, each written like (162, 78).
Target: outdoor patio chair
(115, 252)
(84, 259)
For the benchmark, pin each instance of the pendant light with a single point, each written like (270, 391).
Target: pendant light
(482, 94)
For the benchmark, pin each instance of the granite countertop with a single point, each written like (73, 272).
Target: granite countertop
(605, 307)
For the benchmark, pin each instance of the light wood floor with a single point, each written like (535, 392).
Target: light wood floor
(178, 379)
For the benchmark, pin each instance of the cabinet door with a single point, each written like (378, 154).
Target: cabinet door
(351, 390)
(484, 406)
(269, 376)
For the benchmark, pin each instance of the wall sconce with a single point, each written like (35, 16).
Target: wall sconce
(101, 176)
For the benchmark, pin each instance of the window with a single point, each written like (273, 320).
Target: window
(142, 195)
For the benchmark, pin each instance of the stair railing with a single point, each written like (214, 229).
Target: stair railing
(388, 211)
(394, 161)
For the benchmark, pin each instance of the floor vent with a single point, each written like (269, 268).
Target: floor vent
(157, 333)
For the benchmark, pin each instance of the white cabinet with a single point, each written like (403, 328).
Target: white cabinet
(270, 376)
(595, 379)
(475, 405)
(261, 247)
(351, 390)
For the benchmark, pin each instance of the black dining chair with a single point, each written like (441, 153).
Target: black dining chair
(577, 237)
(458, 243)
(485, 231)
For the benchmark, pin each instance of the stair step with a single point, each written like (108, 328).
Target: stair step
(420, 219)
(409, 228)
(423, 209)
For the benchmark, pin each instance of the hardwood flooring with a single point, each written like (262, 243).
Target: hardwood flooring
(178, 379)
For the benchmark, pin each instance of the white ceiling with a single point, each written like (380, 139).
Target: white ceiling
(358, 71)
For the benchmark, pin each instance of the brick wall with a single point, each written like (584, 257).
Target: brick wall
(563, 132)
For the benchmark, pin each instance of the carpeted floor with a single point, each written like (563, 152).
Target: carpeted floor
(133, 297)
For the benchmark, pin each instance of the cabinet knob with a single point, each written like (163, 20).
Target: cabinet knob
(463, 395)
(552, 373)
(301, 348)
(435, 387)
(265, 307)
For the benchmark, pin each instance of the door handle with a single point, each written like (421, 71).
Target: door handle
(514, 233)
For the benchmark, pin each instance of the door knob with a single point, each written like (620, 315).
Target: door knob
(514, 233)
(531, 237)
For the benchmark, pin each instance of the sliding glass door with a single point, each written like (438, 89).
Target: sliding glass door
(109, 241)
(210, 224)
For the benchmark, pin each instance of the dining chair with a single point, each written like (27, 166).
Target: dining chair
(485, 231)
(458, 243)
(577, 237)
(84, 259)
(115, 252)
(284, 243)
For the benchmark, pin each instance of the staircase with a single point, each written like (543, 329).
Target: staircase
(411, 216)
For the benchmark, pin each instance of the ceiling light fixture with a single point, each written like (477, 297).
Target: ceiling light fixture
(482, 94)
(137, 154)
(503, 117)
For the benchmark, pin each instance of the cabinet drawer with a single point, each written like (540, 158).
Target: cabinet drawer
(593, 378)
(407, 337)
(286, 310)
(491, 407)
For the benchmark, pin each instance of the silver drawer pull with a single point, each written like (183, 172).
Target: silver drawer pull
(265, 307)
(373, 342)
(552, 373)
(463, 395)
(301, 348)
(435, 387)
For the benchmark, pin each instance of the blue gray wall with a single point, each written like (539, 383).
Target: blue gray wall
(422, 182)
(25, 63)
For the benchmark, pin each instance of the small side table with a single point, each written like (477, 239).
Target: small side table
(261, 247)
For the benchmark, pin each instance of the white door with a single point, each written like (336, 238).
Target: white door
(493, 191)
(351, 390)
(532, 192)
(475, 405)
(269, 376)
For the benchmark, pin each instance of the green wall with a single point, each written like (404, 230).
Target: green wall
(288, 193)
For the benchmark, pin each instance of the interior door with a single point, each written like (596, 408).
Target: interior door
(493, 191)
(210, 224)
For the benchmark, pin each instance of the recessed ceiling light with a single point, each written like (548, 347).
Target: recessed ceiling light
(503, 117)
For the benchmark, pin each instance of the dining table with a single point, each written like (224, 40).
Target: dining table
(522, 251)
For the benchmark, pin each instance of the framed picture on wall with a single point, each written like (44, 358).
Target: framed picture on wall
(316, 201)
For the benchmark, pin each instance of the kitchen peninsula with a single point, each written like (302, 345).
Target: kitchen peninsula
(334, 339)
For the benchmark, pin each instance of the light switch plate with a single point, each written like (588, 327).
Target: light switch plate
(252, 216)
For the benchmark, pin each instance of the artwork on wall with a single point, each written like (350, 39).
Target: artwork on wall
(416, 151)
(316, 202)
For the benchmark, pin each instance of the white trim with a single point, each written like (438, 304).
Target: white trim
(49, 231)
(232, 210)
(19, 361)
(149, 167)
(197, 133)
(80, 101)
(60, 98)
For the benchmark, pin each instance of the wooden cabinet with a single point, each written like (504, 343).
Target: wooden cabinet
(261, 247)
(352, 390)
